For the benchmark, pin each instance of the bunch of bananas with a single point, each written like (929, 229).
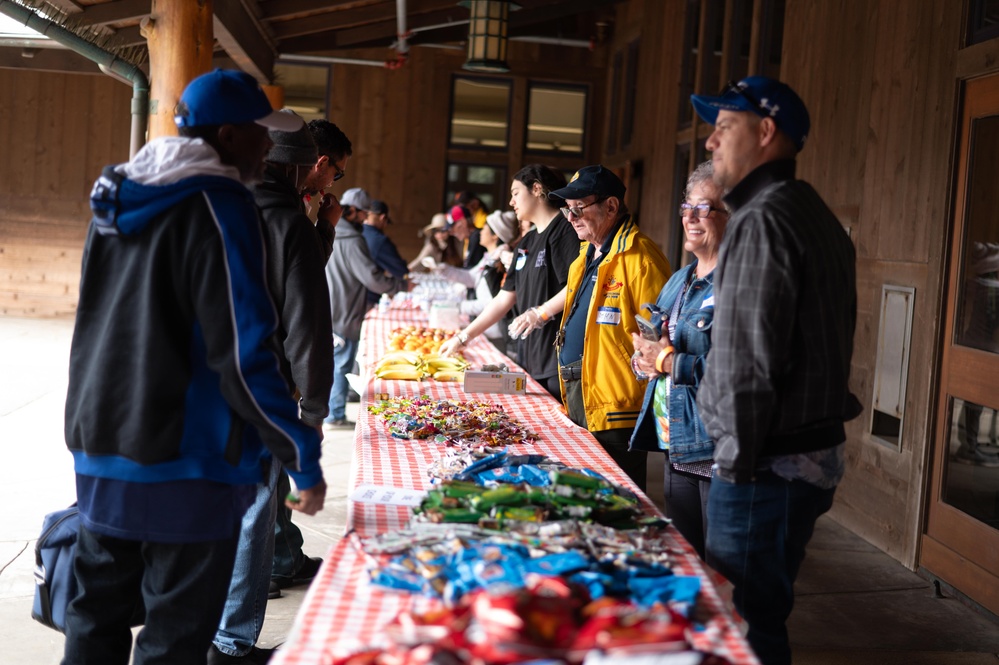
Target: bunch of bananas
(444, 369)
(412, 366)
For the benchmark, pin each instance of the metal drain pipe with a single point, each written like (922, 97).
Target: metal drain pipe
(105, 59)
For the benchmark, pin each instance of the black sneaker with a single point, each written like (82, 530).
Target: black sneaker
(255, 656)
(304, 575)
(273, 591)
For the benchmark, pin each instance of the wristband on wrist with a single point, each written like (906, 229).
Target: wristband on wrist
(662, 358)
(541, 313)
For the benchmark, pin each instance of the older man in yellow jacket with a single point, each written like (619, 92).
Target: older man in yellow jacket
(618, 270)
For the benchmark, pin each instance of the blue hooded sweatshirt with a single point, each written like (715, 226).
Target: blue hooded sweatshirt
(172, 353)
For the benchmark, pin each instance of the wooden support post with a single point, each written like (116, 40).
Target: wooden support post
(180, 38)
(275, 95)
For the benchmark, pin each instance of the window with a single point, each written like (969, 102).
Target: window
(487, 182)
(480, 112)
(306, 88)
(983, 20)
(556, 118)
(723, 41)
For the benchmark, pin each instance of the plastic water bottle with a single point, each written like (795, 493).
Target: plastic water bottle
(383, 303)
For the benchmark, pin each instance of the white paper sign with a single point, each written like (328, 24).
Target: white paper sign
(389, 496)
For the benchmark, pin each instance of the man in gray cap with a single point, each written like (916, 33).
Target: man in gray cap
(295, 264)
(350, 274)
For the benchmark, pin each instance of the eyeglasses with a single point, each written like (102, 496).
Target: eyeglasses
(763, 107)
(701, 210)
(577, 211)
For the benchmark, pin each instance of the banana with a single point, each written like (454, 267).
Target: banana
(395, 367)
(401, 358)
(445, 364)
(449, 375)
(408, 374)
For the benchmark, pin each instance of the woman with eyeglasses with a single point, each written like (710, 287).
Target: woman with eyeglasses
(669, 420)
(539, 271)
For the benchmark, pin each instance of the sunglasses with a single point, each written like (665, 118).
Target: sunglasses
(338, 173)
(577, 211)
(701, 210)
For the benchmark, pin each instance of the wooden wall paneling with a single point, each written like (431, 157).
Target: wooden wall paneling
(76, 176)
(878, 79)
(49, 150)
(8, 125)
(25, 131)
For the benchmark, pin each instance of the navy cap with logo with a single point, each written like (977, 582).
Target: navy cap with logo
(380, 208)
(764, 96)
(229, 97)
(588, 181)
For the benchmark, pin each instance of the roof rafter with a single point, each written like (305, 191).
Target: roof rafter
(114, 12)
(242, 36)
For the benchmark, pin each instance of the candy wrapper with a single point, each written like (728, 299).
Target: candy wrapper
(548, 620)
(446, 419)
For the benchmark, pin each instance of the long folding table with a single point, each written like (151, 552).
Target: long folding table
(343, 613)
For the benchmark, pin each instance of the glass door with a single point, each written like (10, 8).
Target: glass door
(961, 543)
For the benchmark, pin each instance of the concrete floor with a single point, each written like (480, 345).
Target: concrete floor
(855, 606)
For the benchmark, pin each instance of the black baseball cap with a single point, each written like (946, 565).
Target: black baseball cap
(380, 208)
(588, 181)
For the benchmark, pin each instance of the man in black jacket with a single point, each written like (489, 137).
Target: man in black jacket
(775, 392)
(175, 403)
(295, 278)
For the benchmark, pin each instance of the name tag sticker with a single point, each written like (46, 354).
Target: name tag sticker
(609, 315)
(521, 261)
(708, 302)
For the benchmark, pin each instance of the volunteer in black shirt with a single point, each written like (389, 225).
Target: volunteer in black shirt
(538, 272)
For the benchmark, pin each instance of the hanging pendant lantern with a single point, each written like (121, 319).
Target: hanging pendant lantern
(487, 34)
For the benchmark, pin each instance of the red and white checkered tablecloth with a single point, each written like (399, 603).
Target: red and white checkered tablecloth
(343, 613)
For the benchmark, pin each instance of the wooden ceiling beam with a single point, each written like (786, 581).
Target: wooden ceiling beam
(128, 36)
(356, 16)
(289, 9)
(65, 6)
(243, 38)
(114, 12)
(381, 33)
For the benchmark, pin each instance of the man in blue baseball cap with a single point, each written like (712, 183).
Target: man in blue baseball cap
(775, 392)
(176, 403)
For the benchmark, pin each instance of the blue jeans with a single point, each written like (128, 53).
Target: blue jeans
(182, 585)
(243, 616)
(343, 363)
(756, 537)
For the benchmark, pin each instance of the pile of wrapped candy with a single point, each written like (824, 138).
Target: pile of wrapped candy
(549, 620)
(539, 497)
(448, 419)
(533, 560)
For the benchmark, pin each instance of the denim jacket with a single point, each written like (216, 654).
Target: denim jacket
(688, 440)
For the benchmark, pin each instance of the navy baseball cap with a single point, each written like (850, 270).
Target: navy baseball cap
(380, 208)
(590, 180)
(764, 96)
(229, 97)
